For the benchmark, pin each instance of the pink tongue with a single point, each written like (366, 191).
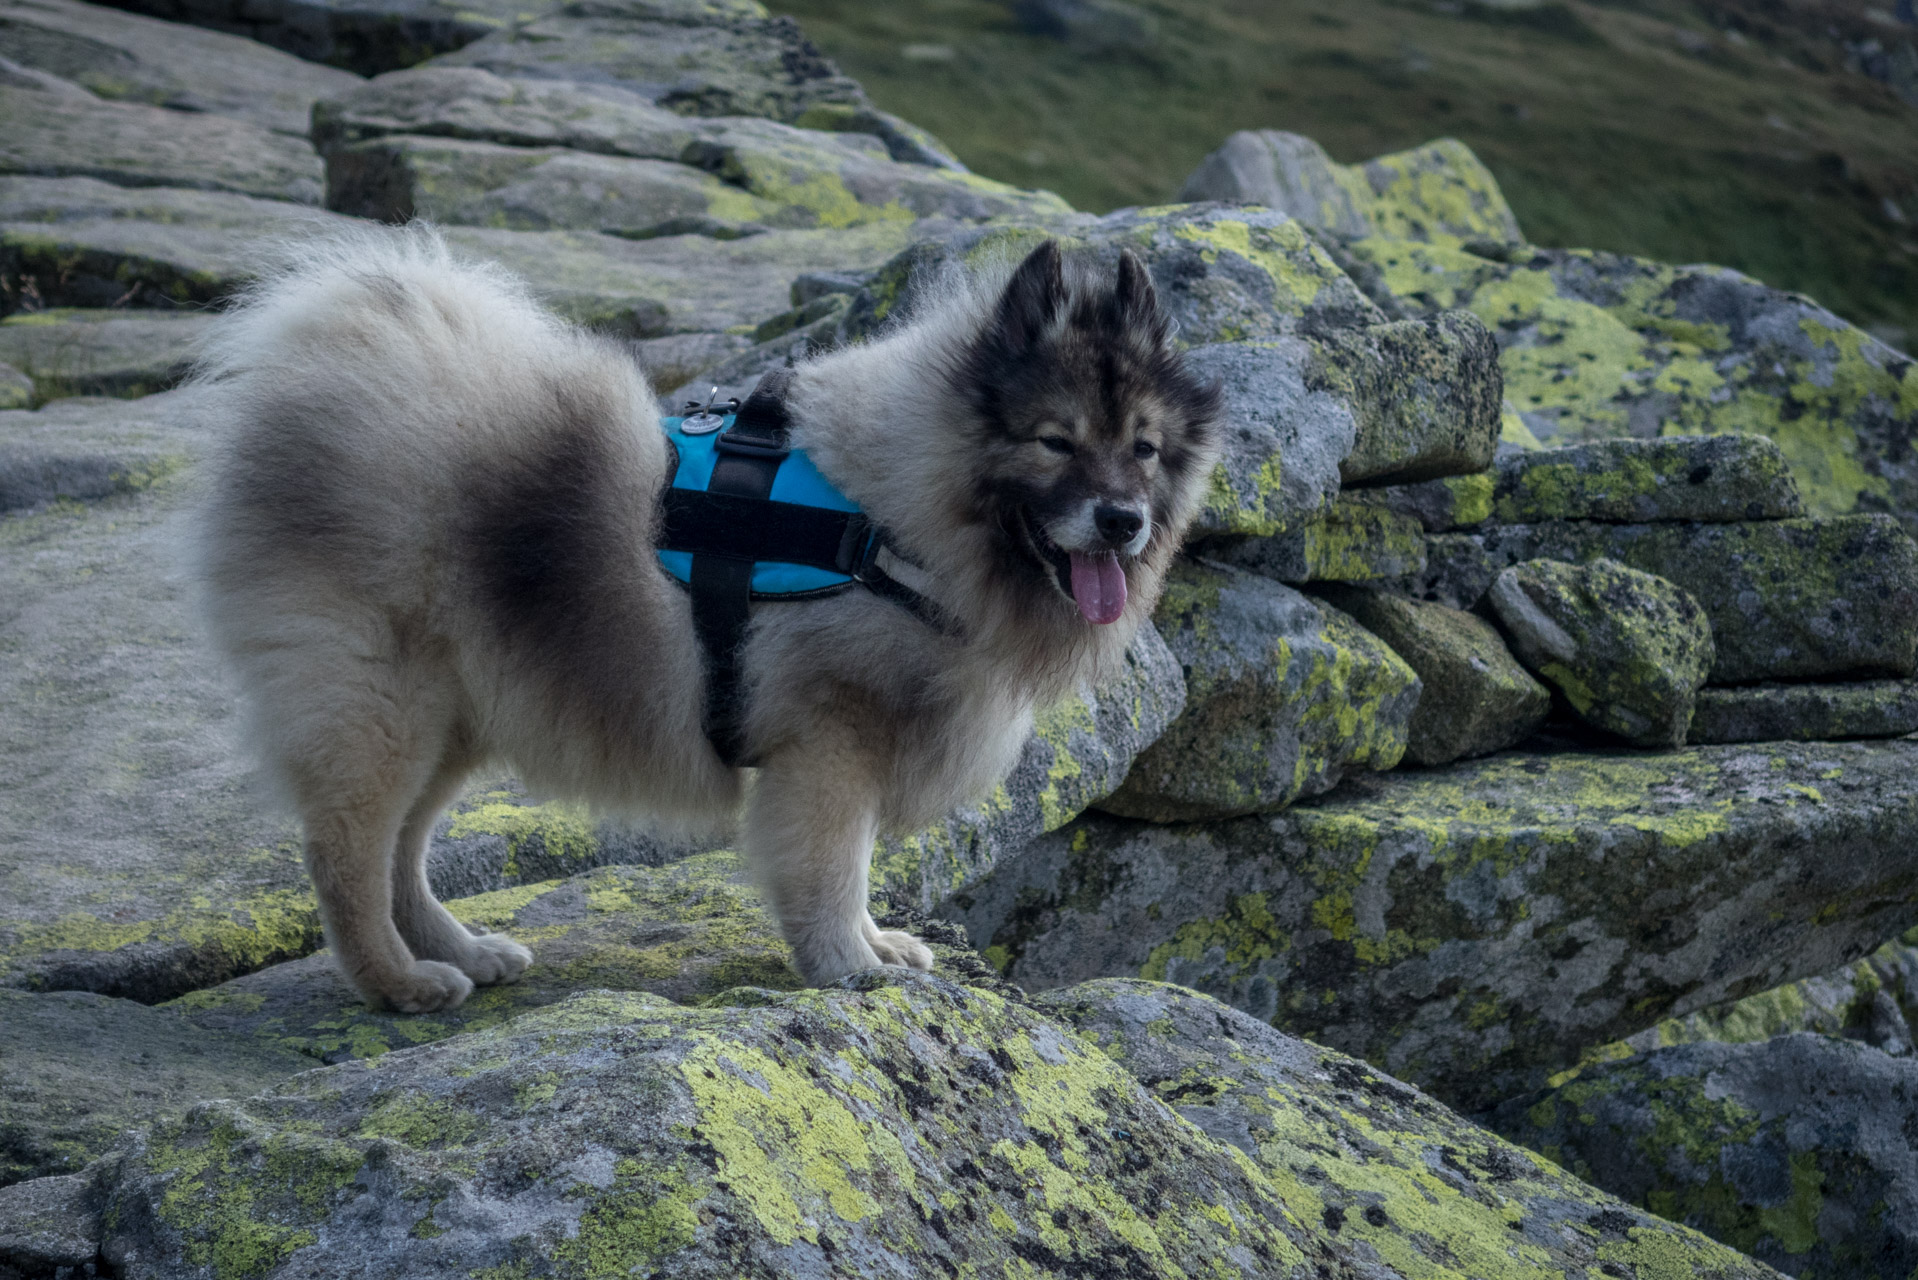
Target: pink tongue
(1098, 587)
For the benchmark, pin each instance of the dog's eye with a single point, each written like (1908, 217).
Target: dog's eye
(1144, 449)
(1058, 444)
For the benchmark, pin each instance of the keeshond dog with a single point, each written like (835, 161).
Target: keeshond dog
(430, 544)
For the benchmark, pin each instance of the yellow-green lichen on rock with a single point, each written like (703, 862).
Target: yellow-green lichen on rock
(1283, 695)
(1790, 1149)
(1595, 345)
(899, 1118)
(1383, 1169)
(1349, 541)
(1475, 928)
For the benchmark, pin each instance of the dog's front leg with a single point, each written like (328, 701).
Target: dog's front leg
(809, 836)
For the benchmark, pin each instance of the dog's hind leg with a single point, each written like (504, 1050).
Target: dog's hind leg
(429, 928)
(809, 836)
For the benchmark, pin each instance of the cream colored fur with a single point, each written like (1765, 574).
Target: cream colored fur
(384, 397)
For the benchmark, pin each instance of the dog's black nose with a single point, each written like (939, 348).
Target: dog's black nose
(1117, 525)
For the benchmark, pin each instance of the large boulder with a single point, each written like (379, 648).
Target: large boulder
(129, 58)
(58, 130)
(1811, 599)
(1475, 928)
(1429, 393)
(1597, 345)
(1796, 1150)
(1475, 697)
(1627, 650)
(1437, 191)
(1284, 694)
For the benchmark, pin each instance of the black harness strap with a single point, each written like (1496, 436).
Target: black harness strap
(749, 453)
(734, 523)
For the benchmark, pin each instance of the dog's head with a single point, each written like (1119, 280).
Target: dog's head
(1098, 440)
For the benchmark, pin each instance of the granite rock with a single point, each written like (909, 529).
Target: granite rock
(1476, 698)
(692, 57)
(1442, 505)
(77, 1069)
(1437, 191)
(1712, 478)
(1596, 345)
(48, 1224)
(894, 1122)
(1284, 696)
(129, 58)
(1478, 927)
(1428, 394)
(54, 135)
(16, 388)
(1811, 599)
(1626, 649)
(1348, 541)
(1802, 712)
(1795, 1151)
(1284, 436)
(1387, 1172)
(73, 351)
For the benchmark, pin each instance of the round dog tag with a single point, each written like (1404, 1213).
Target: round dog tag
(702, 424)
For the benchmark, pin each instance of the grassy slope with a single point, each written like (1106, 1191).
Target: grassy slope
(1642, 128)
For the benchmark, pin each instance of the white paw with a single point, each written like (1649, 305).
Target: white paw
(895, 947)
(426, 987)
(495, 958)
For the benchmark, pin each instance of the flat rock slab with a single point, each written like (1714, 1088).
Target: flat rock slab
(1284, 696)
(51, 134)
(1716, 478)
(1815, 599)
(1382, 1169)
(686, 931)
(1475, 697)
(1450, 502)
(1806, 712)
(85, 448)
(130, 58)
(1795, 1151)
(704, 59)
(16, 388)
(85, 243)
(80, 242)
(74, 351)
(1475, 928)
(1347, 542)
(1598, 346)
(77, 1069)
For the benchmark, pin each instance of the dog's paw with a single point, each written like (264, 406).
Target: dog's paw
(895, 947)
(426, 987)
(495, 958)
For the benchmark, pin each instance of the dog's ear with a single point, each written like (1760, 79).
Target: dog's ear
(1033, 296)
(1139, 309)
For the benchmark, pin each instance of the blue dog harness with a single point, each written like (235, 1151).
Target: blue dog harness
(747, 517)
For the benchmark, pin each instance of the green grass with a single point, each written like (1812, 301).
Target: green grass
(1635, 127)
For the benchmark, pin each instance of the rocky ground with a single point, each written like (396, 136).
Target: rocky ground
(1529, 729)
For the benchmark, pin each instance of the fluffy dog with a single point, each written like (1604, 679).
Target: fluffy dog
(430, 544)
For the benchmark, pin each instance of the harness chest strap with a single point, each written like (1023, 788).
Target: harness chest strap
(734, 525)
